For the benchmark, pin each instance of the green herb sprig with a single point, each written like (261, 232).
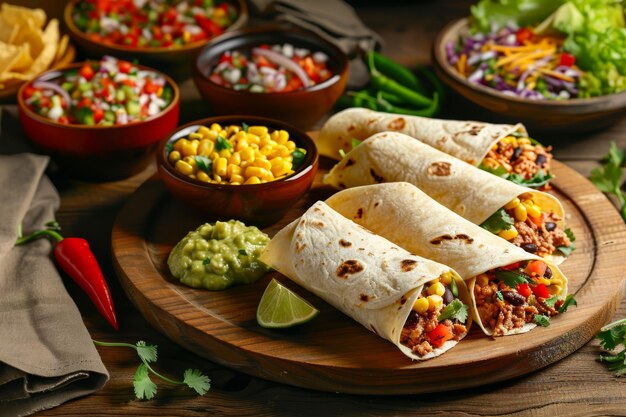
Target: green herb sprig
(144, 387)
(456, 310)
(612, 336)
(608, 177)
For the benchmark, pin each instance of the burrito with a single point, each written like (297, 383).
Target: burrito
(530, 219)
(504, 150)
(511, 290)
(418, 305)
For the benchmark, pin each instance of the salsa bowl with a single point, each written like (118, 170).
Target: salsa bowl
(259, 204)
(98, 153)
(301, 108)
(560, 116)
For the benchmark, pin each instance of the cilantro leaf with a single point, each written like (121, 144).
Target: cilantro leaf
(356, 142)
(542, 320)
(608, 177)
(298, 155)
(144, 387)
(611, 336)
(456, 310)
(244, 127)
(537, 181)
(567, 250)
(223, 143)
(206, 261)
(499, 295)
(197, 381)
(169, 147)
(243, 252)
(204, 163)
(550, 302)
(500, 220)
(569, 301)
(147, 353)
(511, 278)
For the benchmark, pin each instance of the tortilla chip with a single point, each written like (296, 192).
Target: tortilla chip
(33, 37)
(23, 61)
(63, 43)
(7, 76)
(8, 31)
(17, 14)
(9, 54)
(51, 40)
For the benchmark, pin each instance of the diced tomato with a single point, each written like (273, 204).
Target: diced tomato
(149, 87)
(170, 15)
(208, 25)
(540, 291)
(523, 34)
(29, 91)
(514, 265)
(130, 40)
(536, 268)
(567, 59)
(538, 220)
(87, 72)
(85, 102)
(263, 62)
(524, 289)
(128, 82)
(64, 120)
(124, 66)
(439, 335)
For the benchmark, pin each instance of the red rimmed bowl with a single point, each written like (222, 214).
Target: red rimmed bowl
(98, 153)
(302, 108)
(551, 116)
(161, 57)
(258, 204)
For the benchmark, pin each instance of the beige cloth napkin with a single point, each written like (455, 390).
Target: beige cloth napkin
(46, 354)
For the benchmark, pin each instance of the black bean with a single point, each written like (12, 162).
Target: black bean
(541, 160)
(548, 273)
(513, 298)
(448, 296)
(516, 153)
(550, 226)
(529, 247)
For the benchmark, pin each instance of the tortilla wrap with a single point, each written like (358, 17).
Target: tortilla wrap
(408, 217)
(377, 290)
(467, 140)
(468, 191)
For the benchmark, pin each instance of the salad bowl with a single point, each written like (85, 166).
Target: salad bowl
(576, 115)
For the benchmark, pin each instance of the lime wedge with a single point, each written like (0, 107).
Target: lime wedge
(280, 308)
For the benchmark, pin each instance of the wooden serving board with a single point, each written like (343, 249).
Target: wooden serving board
(333, 352)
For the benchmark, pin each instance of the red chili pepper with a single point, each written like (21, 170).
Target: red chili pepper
(541, 291)
(523, 34)
(439, 335)
(567, 59)
(524, 289)
(75, 258)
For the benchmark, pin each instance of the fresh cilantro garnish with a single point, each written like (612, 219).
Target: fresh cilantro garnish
(169, 146)
(298, 155)
(223, 143)
(144, 387)
(356, 142)
(500, 220)
(567, 250)
(511, 278)
(551, 301)
(243, 252)
(204, 163)
(499, 295)
(244, 127)
(540, 179)
(608, 177)
(542, 320)
(454, 288)
(611, 336)
(569, 301)
(206, 261)
(456, 310)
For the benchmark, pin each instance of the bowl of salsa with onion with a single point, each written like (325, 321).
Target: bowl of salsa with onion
(157, 31)
(99, 120)
(286, 74)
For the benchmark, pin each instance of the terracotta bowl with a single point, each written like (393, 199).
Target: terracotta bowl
(98, 153)
(302, 108)
(162, 58)
(258, 204)
(562, 116)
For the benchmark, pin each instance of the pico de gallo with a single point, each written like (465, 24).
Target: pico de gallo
(153, 23)
(271, 69)
(106, 93)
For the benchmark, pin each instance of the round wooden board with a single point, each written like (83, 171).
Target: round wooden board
(334, 353)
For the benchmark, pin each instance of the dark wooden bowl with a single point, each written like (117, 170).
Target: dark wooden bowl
(98, 153)
(302, 108)
(162, 58)
(258, 204)
(562, 116)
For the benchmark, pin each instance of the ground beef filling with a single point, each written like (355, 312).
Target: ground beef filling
(541, 240)
(519, 156)
(510, 313)
(417, 326)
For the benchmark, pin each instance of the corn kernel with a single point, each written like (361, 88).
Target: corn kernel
(508, 234)
(262, 163)
(190, 148)
(212, 135)
(446, 278)
(195, 136)
(233, 130)
(191, 161)
(523, 141)
(421, 305)
(178, 145)
(555, 289)
(235, 158)
(514, 203)
(291, 145)
(219, 166)
(274, 135)
(253, 180)
(520, 213)
(255, 172)
(247, 154)
(204, 131)
(266, 150)
(482, 280)
(232, 169)
(282, 150)
(218, 179)
(225, 153)
(283, 136)
(205, 147)
(242, 144)
(203, 176)
(252, 138)
(281, 169)
(236, 178)
(534, 211)
(213, 156)
(184, 168)
(434, 302)
(437, 288)
(173, 157)
(258, 130)
(216, 127)
(268, 176)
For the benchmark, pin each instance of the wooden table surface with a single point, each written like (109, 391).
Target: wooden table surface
(576, 386)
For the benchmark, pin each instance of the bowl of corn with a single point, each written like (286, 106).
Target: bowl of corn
(238, 167)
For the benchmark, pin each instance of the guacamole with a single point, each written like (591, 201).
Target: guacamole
(216, 256)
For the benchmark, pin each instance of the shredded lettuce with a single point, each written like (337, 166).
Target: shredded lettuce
(488, 14)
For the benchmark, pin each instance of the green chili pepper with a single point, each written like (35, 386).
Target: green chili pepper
(397, 72)
(435, 82)
(424, 112)
(363, 99)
